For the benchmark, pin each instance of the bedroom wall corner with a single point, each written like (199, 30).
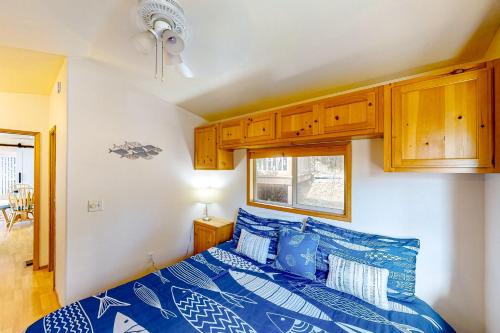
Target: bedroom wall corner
(148, 204)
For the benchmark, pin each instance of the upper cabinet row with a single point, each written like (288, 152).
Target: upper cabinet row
(438, 122)
(355, 114)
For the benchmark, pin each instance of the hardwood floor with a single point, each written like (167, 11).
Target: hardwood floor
(25, 296)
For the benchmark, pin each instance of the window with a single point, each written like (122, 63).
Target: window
(304, 180)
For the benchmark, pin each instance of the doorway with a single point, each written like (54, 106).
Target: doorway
(20, 192)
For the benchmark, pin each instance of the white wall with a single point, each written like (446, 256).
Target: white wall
(58, 104)
(492, 231)
(148, 204)
(444, 211)
(31, 113)
(492, 242)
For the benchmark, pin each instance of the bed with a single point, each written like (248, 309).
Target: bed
(220, 290)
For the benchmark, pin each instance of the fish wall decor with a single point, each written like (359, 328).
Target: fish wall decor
(135, 150)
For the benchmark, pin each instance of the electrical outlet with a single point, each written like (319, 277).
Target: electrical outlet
(95, 206)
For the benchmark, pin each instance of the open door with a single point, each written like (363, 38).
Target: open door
(52, 201)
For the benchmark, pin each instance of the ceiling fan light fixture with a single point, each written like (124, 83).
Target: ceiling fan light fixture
(174, 44)
(165, 20)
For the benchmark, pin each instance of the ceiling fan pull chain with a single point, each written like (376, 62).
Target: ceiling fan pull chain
(156, 59)
(162, 60)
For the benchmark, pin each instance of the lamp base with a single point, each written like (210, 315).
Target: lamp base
(206, 218)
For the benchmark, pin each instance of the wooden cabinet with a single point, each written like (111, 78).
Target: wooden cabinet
(356, 113)
(208, 234)
(443, 123)
(231, 132)
(297, 121)
(260, 127)
(208, 156)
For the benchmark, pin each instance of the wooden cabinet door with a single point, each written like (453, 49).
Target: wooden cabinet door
(231, 132)
(297, 121)
(443, 122)
(205, 147)
(260, 128)
(353, 112)
(204, 238)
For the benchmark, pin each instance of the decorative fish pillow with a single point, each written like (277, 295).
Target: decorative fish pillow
(366, 282)
(264, 227)
(253, 246)
(398, 255)
(297, 252)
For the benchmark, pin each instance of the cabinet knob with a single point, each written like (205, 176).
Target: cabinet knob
(310, 126)
(263, 130)
(315, 120)
(427, 143)
(459, 117)
(370, 104)
(336, 117)
(483, 126)
(298, 133)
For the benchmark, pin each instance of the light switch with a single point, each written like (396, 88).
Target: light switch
(95, 206)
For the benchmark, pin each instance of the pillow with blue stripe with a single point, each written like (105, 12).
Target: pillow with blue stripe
(297, 252)
(264, 227)
(253, 246)
(397, 255)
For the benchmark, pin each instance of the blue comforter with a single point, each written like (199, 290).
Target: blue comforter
(221, 291)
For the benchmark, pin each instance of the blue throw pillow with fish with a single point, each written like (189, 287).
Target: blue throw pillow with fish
(398, 255)
(264, 227)
(297, 252)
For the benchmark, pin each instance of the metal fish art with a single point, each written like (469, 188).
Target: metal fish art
(236, 261)
(189, 274)
(201, 259)
(162, 278)
(206, 315)
(149, 297)
(291, 325)
(339, 303)
(106, 302)
(124, 324)
(135, 150)
(277, 295)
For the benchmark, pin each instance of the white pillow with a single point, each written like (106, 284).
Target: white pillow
(253, 246)
(366, 282)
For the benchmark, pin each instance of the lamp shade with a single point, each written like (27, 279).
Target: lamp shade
(206, 195)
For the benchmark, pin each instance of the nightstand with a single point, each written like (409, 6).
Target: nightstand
(211, 233)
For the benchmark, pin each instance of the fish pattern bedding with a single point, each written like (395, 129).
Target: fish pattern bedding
(220, 290)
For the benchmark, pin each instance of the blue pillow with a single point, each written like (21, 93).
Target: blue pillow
(397, 255)
(264, 227)
(297, 252)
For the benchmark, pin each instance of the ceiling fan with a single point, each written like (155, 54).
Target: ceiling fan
(162, 25)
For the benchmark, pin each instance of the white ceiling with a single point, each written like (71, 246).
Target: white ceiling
(251, 54)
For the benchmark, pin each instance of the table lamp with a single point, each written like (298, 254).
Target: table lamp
(206, 196)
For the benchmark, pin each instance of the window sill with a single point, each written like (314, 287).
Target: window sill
(326, 215)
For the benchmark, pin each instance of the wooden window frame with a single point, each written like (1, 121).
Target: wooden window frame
(336, 149)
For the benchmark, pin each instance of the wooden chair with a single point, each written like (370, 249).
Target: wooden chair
(21, 200)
